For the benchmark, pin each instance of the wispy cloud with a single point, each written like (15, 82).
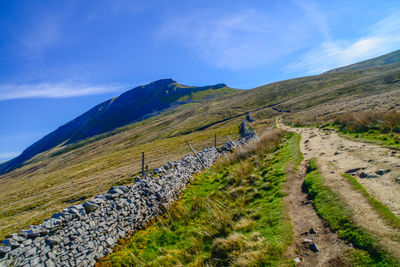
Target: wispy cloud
(42, 34)
(235, 39)
(380, 38)
(314, 13)
(52, 90)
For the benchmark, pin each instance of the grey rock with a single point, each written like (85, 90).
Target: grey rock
(10, 242)
(35, 261)
(312, 231)
(353, 170)
(383, 171)
(50, 263)
(27, 242)
(314, 247)
(6, 263)
(4, 250)
(17, 237)
(90, 206)
(83, 233)
(367, 175)
(110, 241)
(30, 252)
(53, 240)
(117, 190)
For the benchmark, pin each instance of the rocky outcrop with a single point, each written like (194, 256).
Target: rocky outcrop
(81, 234)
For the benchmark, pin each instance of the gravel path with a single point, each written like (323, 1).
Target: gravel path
(336, 155)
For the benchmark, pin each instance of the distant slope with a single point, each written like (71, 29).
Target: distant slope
(51, 180)
(391, 58)
(131, 106)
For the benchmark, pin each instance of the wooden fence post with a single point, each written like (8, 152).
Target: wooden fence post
(142, 163)
(195, 154)
(215, 140)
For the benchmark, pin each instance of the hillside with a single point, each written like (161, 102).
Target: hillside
(387, 59)
(131, 106)
(91, 158)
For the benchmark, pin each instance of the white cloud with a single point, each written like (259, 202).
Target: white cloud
(52, 90)
(380, 38)
(235, 39)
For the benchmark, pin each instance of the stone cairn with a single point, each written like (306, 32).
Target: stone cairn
(81, 234)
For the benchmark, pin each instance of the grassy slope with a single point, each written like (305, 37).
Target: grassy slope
(391, 140)
(387, 59)
(329, 206)
(64, 175)
(232, 214)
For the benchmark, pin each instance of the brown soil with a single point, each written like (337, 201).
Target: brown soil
(336, 155)
(303, 217)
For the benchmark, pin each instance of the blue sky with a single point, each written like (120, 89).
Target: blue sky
(60, 58)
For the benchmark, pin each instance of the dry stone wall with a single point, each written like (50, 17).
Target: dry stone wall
(81, 234)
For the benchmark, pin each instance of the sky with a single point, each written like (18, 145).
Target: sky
(60, 58)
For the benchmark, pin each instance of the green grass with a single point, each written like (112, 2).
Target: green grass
(384, 211)
(207, 94)
(232, 214)
(387, 139)
(339, 217)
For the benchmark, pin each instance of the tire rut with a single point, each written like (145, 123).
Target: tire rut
(333, 163)
(310, 229)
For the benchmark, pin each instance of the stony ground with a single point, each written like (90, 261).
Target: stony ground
(376, 168)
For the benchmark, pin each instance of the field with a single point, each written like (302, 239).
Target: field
(233, 214)
(68, 175)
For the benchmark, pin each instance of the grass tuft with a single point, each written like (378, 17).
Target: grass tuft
(226, 217)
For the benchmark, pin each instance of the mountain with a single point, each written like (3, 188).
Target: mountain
(129, 107)
(387, 59)
(75, 165)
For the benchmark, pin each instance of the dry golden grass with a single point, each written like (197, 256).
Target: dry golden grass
(54, 180)
(362, 121)
(50, 183)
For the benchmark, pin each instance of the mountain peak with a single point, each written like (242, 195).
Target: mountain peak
(163, 82)
(133, 105)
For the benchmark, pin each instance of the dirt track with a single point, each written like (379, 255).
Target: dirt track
(304, 218)
(336, 155)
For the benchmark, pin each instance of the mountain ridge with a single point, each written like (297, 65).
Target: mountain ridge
(72, 173)
(119, 111)
(386, 59)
